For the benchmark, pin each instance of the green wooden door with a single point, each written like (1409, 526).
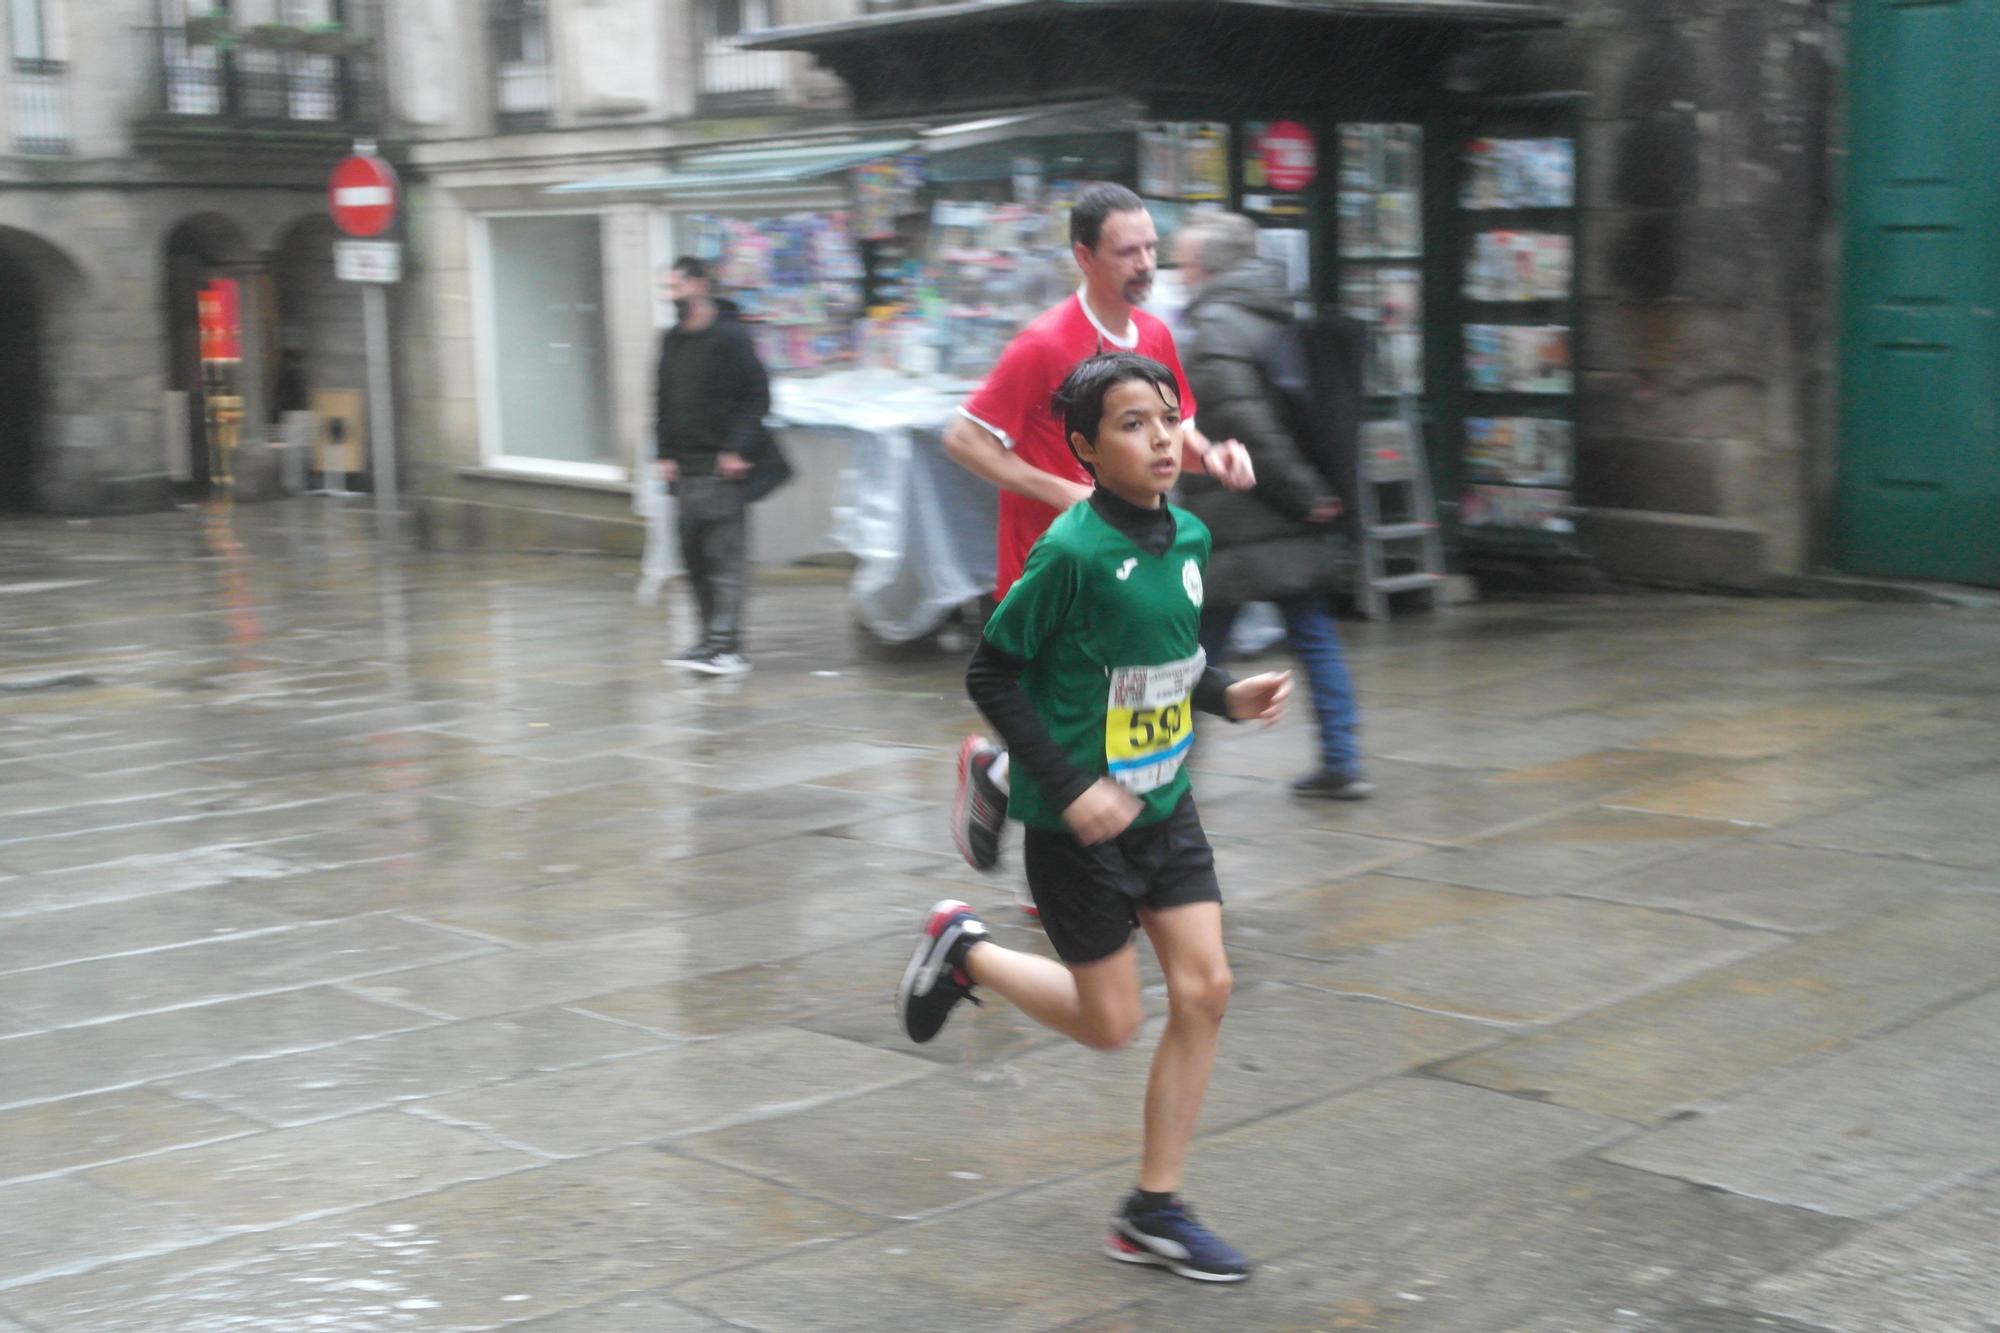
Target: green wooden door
(1920, 412)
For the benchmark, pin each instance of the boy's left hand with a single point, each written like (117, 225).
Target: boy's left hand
(1262, 697)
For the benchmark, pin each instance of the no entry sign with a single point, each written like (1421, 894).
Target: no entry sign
(362, 195)
(1291, 159)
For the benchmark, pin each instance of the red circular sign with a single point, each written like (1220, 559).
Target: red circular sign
(1291, 159)
(362, 195)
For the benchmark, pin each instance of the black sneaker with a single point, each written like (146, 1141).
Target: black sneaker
(699, 652)
(1173, 1239)
(978, 808)
(936, 979)
(1327, 785)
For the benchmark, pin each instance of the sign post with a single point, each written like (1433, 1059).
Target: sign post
(363, 197)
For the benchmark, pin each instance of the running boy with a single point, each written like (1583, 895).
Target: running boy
(1089, 671)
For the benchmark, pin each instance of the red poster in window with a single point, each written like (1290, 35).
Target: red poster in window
(1289, 154)
(221, 312)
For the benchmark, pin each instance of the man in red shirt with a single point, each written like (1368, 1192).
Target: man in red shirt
(1008, 434)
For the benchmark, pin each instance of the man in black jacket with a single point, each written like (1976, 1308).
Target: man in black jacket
(1277, 543)
(715, 454)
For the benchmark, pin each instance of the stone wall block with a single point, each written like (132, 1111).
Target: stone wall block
(1718, 478)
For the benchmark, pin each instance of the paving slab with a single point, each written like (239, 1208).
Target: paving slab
(101, 1056)
(1779, 887)
(162, 873)
(1285, 1045)
(1541, 960)
(1355, 914)
(284, 1175)
(566, 972)
(1920, 751)
(1698, 1040)
(565, 1236)
(1769, 793)
(1037, 1261)
(1950, 823)
(1934, 1268)
(88, 1131)
(631, 902)
(104, 930)
(1578, 1246)
(50, 1227)
(643, 1312)
(1876, 1127)
(379, 1071)
(789, 990)
(666, 1094)
(284, 959)
(1569, 851)
(1783, 728)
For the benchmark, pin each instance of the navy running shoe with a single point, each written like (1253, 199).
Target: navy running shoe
(1173, 1239)
(936, 979)
(978, 807)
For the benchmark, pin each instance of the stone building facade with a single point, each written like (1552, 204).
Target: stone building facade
(141, 164)
(495, 102)
(1709, 241)
(1710, 283)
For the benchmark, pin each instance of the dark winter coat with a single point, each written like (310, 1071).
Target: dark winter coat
(1264, 546)
(735, 396)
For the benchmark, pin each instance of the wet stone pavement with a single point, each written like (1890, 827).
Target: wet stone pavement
(397, 945)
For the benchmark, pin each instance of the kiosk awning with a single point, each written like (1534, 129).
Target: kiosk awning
(1473, 13)
(721, 169)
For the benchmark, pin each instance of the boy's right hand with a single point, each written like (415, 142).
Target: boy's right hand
(1104, 811)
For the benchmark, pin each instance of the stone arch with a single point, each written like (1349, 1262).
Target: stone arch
(42, 293)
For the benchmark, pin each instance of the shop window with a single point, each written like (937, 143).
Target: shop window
(546, 372)
(40, 82)
(523, 91)
(726, 69)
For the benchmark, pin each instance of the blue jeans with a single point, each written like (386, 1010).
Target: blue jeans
(1309, 627)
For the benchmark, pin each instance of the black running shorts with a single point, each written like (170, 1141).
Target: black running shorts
(1089, 897)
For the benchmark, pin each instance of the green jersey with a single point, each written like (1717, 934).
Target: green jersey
(1109, 635)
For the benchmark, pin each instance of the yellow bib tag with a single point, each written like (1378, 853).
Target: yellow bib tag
(1149, 722)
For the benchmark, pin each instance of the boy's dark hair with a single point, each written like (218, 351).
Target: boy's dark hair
(1087, 214)
(690, 267)
(1079, 403)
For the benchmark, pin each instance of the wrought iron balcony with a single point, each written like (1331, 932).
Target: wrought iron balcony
(39, 103)
(211, 91)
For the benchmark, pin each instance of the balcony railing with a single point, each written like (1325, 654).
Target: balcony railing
(731, 73)
(40, 105)
(205, 89)
(524, 93)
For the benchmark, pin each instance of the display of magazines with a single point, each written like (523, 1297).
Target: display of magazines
(1519, 364)
(1519, 451)
(1537, 508)
(1518, 358)
(1519, 173)
(988, 269)
(1381, 240)
(1519, 266)
(796, 278)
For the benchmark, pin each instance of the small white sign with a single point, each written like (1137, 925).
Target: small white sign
(368, 261)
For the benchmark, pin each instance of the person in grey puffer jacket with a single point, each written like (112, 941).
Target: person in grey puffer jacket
(1278, 542)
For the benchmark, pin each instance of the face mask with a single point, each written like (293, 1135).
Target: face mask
(681, 308)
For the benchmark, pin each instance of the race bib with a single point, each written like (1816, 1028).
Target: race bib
(1149, 722)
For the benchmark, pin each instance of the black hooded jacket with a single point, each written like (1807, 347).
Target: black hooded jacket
(1265, 547)
(710, 396)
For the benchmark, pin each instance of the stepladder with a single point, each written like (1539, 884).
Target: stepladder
(1402, 549)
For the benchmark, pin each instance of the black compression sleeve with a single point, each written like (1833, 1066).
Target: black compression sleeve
(1211, 692)
(993, 680)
